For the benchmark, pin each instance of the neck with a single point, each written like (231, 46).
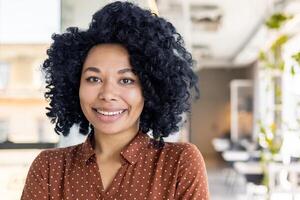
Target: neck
(109, 146)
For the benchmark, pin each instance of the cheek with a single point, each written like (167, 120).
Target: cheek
(86, 95)
(135, 98)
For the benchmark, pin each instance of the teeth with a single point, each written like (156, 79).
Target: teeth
(109, 113)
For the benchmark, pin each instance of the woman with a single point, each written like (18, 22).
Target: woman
(124, 76)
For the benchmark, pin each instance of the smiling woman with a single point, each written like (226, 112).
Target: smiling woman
(124, 76)
(110, 93)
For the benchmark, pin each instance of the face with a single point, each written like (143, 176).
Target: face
(110, 93)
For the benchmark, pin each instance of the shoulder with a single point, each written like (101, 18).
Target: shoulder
(183, 148)
(192, 182)
(55, 155)
(59, 151)
(188, 154)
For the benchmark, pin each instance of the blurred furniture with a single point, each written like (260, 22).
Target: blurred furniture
(221, 144)
(252, 171)
(28, 145)
(284, 179)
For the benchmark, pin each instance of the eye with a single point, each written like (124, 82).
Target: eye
(127, 81)
(93, 79)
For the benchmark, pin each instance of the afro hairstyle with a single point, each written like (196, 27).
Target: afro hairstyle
(157, 55)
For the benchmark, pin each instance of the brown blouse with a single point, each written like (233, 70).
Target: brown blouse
(177, 171)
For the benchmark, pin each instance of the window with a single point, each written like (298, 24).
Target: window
(4, 75)
(3, 130)
(21, 82)
(34, 29)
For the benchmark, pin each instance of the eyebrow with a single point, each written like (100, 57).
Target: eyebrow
(95, 69)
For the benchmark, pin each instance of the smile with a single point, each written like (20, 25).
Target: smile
(109, 113)
(107, 117)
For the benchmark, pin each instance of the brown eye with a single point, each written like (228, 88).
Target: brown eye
(127, 81)
(93, 79)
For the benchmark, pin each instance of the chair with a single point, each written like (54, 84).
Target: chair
(284, 180)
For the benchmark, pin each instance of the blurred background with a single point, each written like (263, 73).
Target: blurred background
(246, 123)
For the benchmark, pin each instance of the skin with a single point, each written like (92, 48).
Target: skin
(108, 83)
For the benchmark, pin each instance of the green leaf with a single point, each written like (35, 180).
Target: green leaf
(296, 57)
(281, 66)
(281, 40)
(263, 130)
(262, 56)
(277, 20)
(293, 71)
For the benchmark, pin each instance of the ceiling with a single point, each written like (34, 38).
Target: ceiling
(219, 31)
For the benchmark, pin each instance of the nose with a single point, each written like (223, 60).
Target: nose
(107, 92)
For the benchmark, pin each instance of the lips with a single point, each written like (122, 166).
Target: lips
(111, 115)
(108, 109)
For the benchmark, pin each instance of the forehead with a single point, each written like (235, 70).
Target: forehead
(107, 55)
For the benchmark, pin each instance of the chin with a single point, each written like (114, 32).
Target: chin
(108, 130)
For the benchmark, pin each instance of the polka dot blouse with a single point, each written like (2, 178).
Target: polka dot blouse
(177, 171)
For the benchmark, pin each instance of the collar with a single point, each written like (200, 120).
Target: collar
(129, 153)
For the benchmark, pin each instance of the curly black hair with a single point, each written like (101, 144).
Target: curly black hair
(157, 55)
